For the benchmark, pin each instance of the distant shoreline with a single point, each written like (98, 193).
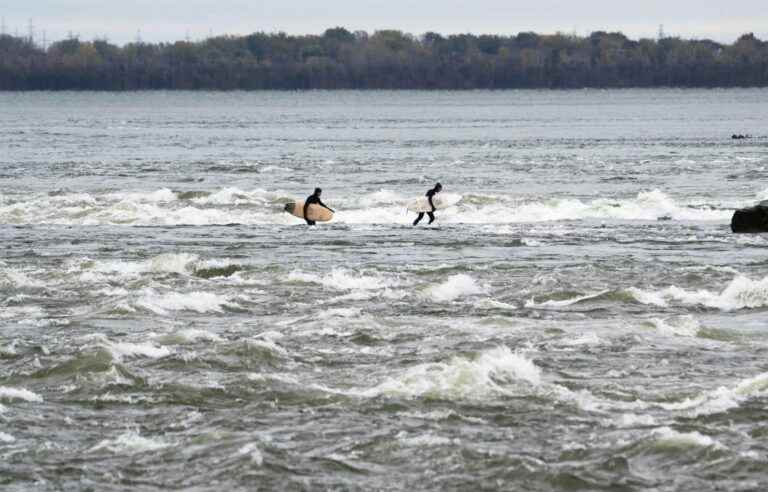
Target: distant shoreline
(385, 60)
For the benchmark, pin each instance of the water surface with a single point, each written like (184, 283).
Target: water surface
(583, 319)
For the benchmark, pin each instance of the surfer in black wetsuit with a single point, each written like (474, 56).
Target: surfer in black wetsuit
(430, 194)
(314, 198)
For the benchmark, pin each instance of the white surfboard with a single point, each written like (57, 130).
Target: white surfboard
(441, 200)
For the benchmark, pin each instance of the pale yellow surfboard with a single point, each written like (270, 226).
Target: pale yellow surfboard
(315, 212)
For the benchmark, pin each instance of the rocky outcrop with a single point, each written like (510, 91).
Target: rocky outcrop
(751, 219)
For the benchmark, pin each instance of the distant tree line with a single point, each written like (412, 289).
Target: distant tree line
(389, 59)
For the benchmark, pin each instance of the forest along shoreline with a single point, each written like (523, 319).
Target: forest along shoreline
(387, 59)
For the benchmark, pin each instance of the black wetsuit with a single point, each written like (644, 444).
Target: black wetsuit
(309, 201)
(431, 193)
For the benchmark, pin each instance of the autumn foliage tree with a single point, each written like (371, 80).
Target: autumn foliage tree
(386, 59)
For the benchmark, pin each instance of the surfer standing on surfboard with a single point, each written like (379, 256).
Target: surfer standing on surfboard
(431, 193)
(314, 198)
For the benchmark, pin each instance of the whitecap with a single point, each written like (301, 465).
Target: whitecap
(252, 451)
(119, 350)
(635, 420)
(670, 438)
(424, 440)
(189, 335)
(200, 302)
(563, 303)
(459, 285)
(740, 293)
(8, 393)
(130, 443)
(341, 279)
(682, 326)
(462, 378)
(340, 313)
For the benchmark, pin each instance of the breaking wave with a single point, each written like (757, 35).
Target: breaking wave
(130, 443)
(235, 206)
(667, 438)
(7, 393)
(200, 302)
(179, 263)
(742, 292)
(455, 286)
(342, 279)
(462, 378)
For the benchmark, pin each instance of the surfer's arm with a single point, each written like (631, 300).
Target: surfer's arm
(429, 197)
(306, 207)
(325, 206)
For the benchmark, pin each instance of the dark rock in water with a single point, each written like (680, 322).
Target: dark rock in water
(751, 219)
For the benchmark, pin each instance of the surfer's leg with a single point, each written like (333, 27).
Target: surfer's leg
(431, 217)
(310, 222)
(421, 216)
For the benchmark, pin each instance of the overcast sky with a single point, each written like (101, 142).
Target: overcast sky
(168, 20)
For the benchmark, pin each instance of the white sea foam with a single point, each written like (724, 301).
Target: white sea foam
(497, 371)
(590, 338)
(741, 292)
(562, 303)
(683, 326)
(252, 451)
(460, 378)
(130, 399)
(635, 420)
(720, 399)
(130, 443)
(119, 350)
(455, 286)
(18, 278)
(189, 335)
(99, 271)
(650, 205)
(341, 279)
(8, 393)
(269, 345)
(10, 349)
(6, 438)
(21, 312)
(275, 169)
(163, 303)
(160, 207)
(236, 196)
(423, 440)
(669, 438)
(340, 313)
(494, 304)
(232, 205)
(163, 195)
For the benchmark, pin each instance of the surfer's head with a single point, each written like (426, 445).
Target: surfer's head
(438, 187)
(318, 191)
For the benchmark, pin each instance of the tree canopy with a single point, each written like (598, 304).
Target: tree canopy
(387, 59)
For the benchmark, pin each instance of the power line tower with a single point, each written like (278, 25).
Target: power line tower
(662, 34)
(31, 31)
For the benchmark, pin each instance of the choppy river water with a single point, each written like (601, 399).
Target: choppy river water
(583, 319)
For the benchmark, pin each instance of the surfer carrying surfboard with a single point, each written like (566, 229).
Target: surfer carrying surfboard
(430, 194)
(314, 198)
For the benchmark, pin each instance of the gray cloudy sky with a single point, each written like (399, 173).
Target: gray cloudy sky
(166, 20)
